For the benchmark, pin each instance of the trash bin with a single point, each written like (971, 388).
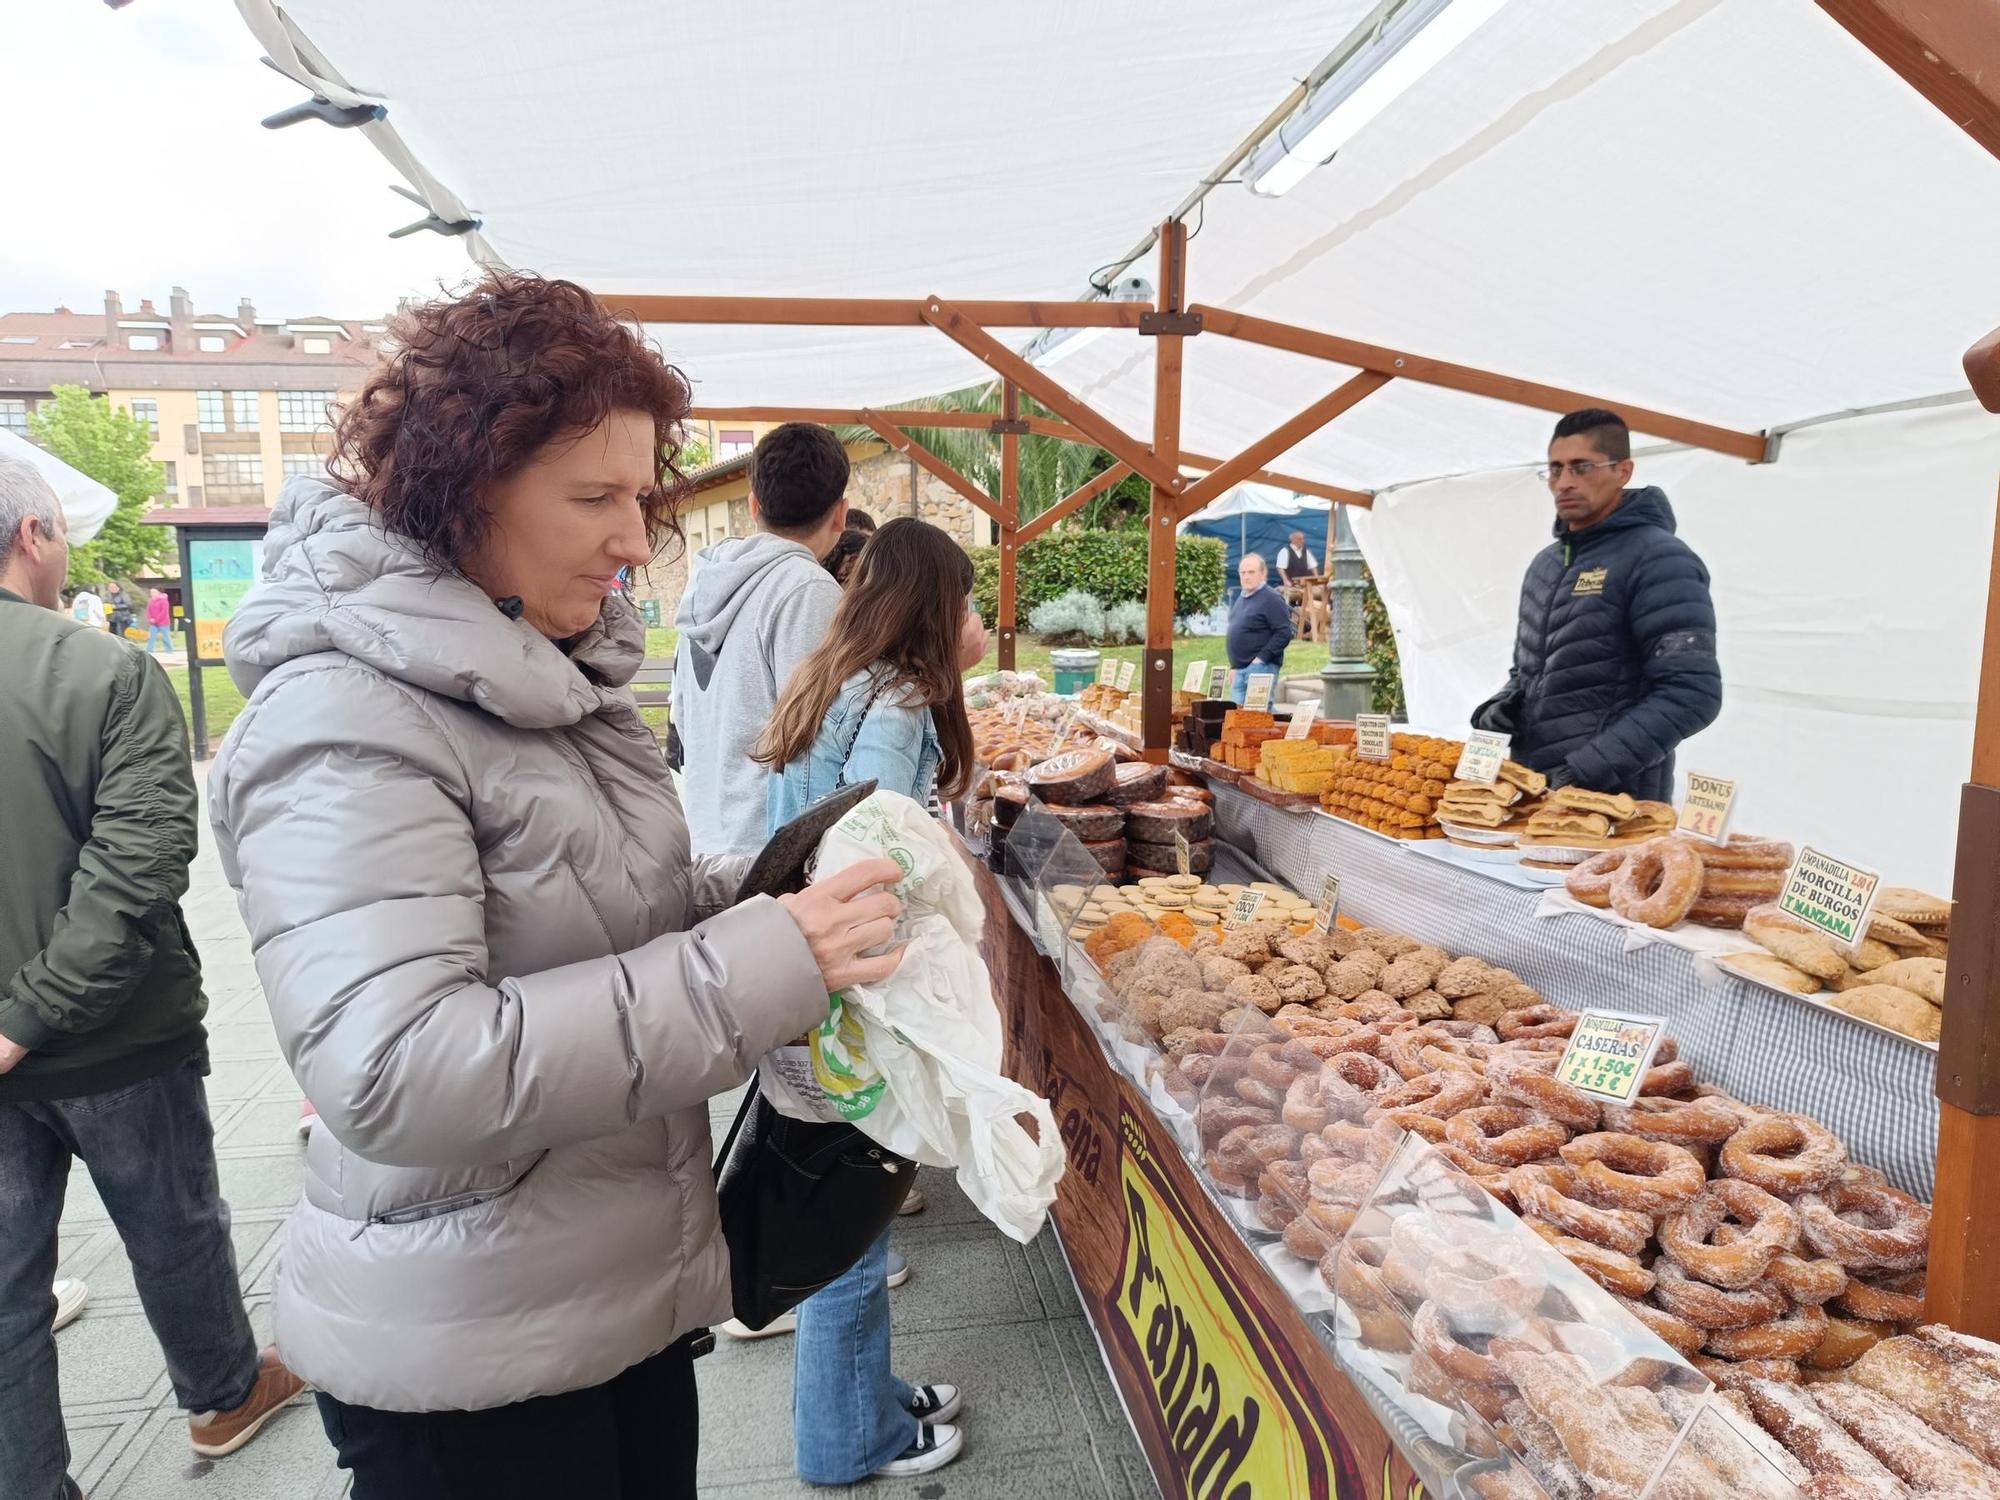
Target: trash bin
(1074, 670)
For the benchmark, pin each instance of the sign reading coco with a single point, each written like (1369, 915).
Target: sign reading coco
(1233, 1436)
(1608, 1054)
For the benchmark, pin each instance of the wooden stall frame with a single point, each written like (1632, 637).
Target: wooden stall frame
(1951, 56)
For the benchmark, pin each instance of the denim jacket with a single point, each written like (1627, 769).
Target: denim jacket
(866, 736)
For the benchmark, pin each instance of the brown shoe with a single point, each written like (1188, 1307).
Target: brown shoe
(216, 1433)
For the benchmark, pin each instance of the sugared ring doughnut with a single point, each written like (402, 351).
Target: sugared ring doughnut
(1505, 1134)
(1892, 1299)
(1663, 1078)
(1639, 1176)
(1744, 852)
(1514, 1078)
(1758, 886)
(1590, 882)
(1342, 1184)
(1678, 1334)
(1347, 1141)
(1698, 1123)
(1351, 1082)
(1535, 1021)
(1477, 1296)
(1485, 1173)
(1305, 1108)
(1658, 885)
(1305, 1238)
(1847, 1339)
(1284, 1184)
(1771, 1224)
(1540, 1193)
(1730, 1375)
(1611, 1269)
(1442, 1094)
(1218, 1114)
(1248, 1149)
(1712, 1307)
(1465, 1031)
(1784, 1154)
(1307, 1053)
(1268, 1065)
(1430, 1127)
(1867, 1228)
(1436, 1337)
(1810, 1283)
(1782, 1338)
(1228, 1180)
(1400, 1048)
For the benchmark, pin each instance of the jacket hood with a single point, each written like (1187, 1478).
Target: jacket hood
(1645, 506)
(334, 580)
(726, 576)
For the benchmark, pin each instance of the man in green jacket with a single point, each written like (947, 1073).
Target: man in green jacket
(102, 1050)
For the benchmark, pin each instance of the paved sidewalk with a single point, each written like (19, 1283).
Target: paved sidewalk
(1000, 1319)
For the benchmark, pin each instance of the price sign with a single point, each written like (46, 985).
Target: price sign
(1218, 682)
(1608, 1054)
(1831, 895)
(1329, 902)
(1127, 670)
(1257, 695)
(1107, 672)
(1705, 813)
(1245, 909)
(1302, 720)
(1194, 677)
(1063, 726)
(1371, 736)
(1183, 856)
(1017, 712)
(1481, 758)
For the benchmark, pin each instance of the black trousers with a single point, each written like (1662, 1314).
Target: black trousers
(632, 1438)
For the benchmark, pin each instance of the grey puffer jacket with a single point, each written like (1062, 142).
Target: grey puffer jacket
(482, 938)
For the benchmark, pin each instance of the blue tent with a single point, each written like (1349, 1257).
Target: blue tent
(1251, 518)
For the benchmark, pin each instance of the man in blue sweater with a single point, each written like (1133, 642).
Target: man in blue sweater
(1260, 627)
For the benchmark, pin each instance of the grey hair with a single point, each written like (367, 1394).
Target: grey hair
(23, 493)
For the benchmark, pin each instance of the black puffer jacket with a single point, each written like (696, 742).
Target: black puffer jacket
(1615, 662)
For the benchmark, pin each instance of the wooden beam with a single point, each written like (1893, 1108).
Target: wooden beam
(1010, 522)
(1949, 53)
(872, 312)
(924, 459)
(1963, 1288)
(1281, 439)
(1156, 683)
(1074, 501)
(955, 324)
(1982, 370)
(826, 416)
(1293, 482)
(1749, 446)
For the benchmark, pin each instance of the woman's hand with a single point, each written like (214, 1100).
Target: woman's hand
(971, 641)
(841, 919)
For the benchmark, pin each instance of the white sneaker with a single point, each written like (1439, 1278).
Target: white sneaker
(935, 1403)
(71, 1295)
(783, 1323)
(936, 1446)
(899, 1269)
(913, 1203)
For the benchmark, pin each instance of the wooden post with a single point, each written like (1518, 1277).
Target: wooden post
(1010, 523)
(1157, 678)
(1964, 1279)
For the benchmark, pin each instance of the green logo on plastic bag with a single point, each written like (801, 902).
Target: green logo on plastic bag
(841, 1066)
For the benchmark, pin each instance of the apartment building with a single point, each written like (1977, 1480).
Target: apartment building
(235, 401)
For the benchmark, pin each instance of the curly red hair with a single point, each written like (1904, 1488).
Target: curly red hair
(472, 387)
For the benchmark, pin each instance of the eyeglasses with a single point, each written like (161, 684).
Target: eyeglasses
(1579, 468)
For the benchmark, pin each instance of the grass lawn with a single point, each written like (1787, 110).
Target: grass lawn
(224, 703)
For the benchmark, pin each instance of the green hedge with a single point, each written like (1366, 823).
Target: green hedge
(1108, 564)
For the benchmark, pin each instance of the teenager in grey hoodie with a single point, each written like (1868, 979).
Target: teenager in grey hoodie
(754, 607)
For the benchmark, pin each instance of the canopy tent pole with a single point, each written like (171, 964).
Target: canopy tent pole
(1010, 522)
(1156, 682)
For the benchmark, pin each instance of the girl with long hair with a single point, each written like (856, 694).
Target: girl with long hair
(879, 699)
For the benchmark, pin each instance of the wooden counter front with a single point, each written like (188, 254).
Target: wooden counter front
(1230, 1392)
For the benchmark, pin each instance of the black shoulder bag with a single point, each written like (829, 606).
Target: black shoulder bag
(801, 1200)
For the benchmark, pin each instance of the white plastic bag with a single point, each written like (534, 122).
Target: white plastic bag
(914, 1062)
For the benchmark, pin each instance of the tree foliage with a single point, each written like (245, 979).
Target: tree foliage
(1387, 689)
(113, 447)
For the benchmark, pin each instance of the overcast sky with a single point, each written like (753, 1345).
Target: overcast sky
(135, 161)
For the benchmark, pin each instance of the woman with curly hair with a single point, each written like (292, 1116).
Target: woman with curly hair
(491, 961)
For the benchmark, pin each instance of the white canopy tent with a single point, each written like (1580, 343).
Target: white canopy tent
(1724, 209)
(86, 504)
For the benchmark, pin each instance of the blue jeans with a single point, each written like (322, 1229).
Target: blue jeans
(150, 1150)
(159, 635)
(850, 1414)
(1239, 681)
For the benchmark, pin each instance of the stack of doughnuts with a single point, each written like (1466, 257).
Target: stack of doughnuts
(1665, 881)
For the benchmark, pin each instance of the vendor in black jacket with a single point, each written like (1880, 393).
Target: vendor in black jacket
(1614, 662)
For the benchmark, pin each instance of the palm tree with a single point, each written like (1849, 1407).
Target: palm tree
(1050, 467)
